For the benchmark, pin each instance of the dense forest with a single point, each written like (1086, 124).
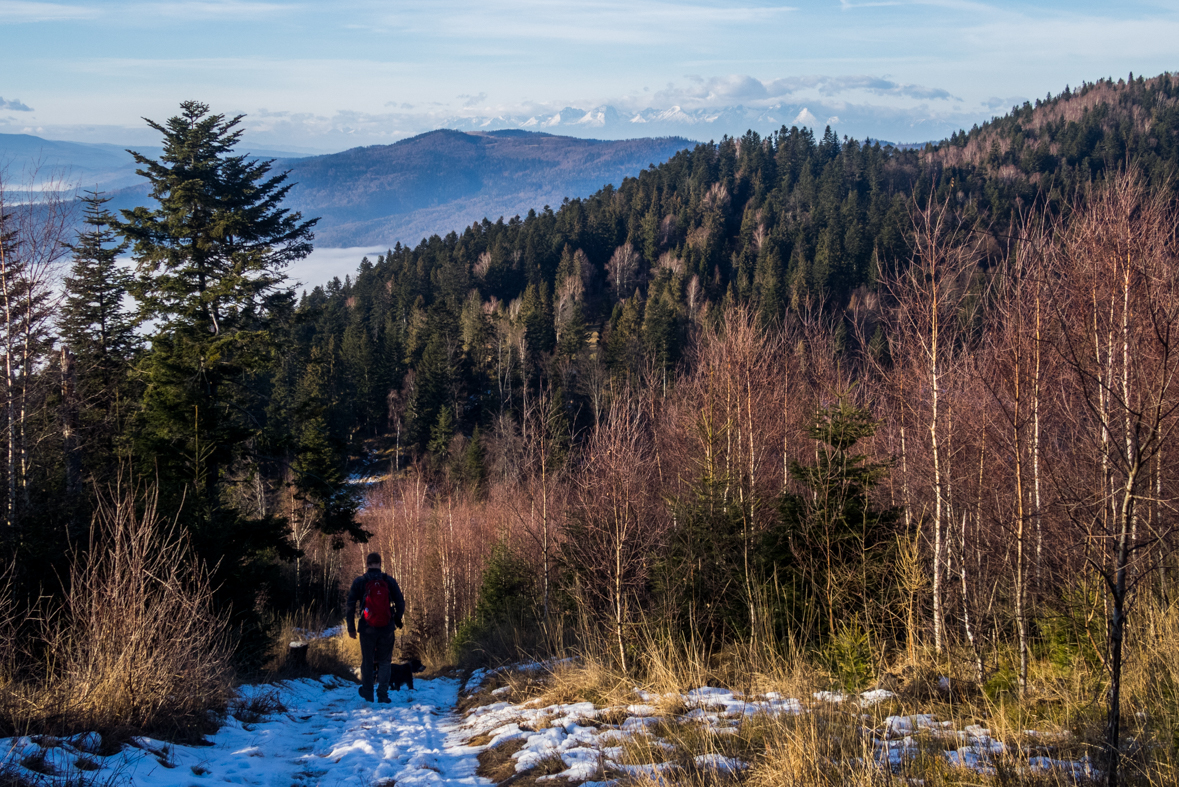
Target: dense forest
(792, 388)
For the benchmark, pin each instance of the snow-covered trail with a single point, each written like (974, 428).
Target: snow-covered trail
(327, 735)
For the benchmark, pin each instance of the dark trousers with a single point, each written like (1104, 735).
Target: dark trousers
(376, 644)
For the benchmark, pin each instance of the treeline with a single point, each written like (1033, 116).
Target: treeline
(437, 340)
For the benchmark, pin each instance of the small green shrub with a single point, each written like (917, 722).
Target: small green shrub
(848, 656)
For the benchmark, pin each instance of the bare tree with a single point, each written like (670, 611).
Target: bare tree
(33, 238)
(1116, 310)
(930, 293)
(1009, 371)
(622, 270)
(616, 523)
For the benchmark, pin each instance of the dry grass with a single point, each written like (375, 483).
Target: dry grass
(835, 744)
(337, 654)
(333, 655)
(257, 708)
(135, 644)
(496, 763)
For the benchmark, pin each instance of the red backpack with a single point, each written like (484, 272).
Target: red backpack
(376, 603)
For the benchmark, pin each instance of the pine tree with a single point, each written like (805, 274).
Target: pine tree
(99, 341)
(319, 477)
(93, 322)
(440, 434)
(210, 259)
(214, 249)
(832, 540)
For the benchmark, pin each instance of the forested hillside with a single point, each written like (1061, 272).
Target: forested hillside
(784, 225)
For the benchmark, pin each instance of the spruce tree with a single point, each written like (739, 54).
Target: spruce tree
(210, 259)
(833, 544)
(99, 341)
(216, 246)
(93, 323)
(319, 464)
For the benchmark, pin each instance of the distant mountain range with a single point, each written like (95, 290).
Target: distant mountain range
(445, 180)
(86, 165)
(703, 125)
(379, 195)
(611, 123)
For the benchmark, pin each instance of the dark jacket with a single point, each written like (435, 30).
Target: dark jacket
(356, 598)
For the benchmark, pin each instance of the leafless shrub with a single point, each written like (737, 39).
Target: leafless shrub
(136, 643)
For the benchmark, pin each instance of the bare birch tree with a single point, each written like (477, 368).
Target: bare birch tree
(33, 237)
(1117, 315)
(930, 294)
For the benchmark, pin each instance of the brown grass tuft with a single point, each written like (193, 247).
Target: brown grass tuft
(496, 763)
(135, 645)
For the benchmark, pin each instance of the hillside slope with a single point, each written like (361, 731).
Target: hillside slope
(444, 180)
(780, 223)
(383, 194)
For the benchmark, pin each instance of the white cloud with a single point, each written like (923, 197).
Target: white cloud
(323, 264)
(207, 10)
(15, 11)
(744, 89)
(15, 105)
(608, 22)
(1004, 104)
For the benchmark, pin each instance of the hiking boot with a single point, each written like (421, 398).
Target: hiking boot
(366, 693)
(383, 697)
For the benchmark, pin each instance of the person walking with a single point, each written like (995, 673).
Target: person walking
(381, 609)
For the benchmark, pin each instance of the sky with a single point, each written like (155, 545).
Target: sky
(326, 76)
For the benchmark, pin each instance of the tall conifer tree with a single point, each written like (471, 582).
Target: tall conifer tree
(210, 259)
(96, 327)
(99, 340)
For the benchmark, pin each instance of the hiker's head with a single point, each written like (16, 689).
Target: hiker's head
(373, 560)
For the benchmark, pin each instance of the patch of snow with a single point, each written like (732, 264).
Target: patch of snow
(641, 710)
(720, 763)
(875, 696)
(899, 726)
(328, 735)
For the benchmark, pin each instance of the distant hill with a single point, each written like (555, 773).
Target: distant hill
(83, 165)
(429, 184)
(1066, 140)
(446, 180)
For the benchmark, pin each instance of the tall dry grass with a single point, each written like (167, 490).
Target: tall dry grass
(1152, 694)
(134, 645)
(835, 744)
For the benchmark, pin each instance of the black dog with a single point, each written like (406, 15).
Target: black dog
(402, 674)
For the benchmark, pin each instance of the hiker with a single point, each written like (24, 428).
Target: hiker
(382, 607)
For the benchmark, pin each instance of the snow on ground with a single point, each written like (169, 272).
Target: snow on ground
(328, 735)
(589, 748)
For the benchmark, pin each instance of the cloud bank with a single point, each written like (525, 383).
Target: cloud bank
(16, 105)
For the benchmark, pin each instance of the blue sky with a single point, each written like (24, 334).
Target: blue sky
(331, 75)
